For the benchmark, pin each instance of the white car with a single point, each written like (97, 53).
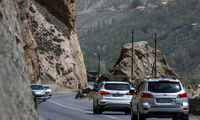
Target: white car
(112, 96)
(48, 90)
(39, 92)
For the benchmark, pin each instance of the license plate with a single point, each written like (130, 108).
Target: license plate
(163, 100)
(117, 95)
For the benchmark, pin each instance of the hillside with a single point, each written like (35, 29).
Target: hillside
(177, 24)
(93, 13)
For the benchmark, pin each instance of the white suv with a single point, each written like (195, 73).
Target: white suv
(112, 96)
(160, 97)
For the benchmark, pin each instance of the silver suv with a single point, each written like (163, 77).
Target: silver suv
(160, 97)
(112, 96)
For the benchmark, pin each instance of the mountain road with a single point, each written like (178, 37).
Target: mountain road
(65, 107)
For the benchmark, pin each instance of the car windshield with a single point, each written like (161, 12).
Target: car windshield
(46, 87)
(117, 86)
(164, 87)
(37, 87)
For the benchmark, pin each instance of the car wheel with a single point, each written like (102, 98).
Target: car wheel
(133, 116)
(45, 98)
(140, 116)
(99, 110)
(185, 117)
(94, 108)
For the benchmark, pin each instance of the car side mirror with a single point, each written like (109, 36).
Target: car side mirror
(96, 87)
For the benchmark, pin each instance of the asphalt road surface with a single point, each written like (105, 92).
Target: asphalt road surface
(65, 107)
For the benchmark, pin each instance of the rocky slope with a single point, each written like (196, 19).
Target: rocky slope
(143, 61)
(58, 50)
(16, 100)
(93, 13)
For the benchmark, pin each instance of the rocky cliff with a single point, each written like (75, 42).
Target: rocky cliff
(65, 10)
(58, 50)
(16, 101)
(143, 62)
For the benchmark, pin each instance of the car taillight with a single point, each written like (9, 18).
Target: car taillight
(147, 95)
(182, 95)
(104, 93)
(129, 93)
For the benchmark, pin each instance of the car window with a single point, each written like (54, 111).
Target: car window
(46, 87)
(37, 87)
(164, 87)
(117, 86)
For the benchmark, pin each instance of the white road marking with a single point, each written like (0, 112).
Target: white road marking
(68, 107)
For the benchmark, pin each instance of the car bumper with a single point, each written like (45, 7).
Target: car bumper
(48, 93)
(113, 105)
(39, 98)
(164, 110)
(159, 114)
(116, 107)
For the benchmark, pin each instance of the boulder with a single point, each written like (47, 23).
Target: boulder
(143, 62)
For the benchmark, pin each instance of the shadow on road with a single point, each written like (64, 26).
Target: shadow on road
(109, 113)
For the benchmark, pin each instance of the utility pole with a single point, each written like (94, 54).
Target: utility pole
(132, 55)
(155, 65)
(99, 68)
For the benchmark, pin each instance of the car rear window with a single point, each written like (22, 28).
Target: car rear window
(164, 87)
(115, 86)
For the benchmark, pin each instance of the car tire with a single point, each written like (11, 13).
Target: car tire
(185, 117)
(99, 110)
(45, 98)
(133, 116)
(94, 108)
(140, 116)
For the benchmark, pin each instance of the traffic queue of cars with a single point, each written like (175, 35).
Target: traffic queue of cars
(40, 92)
(159, 97)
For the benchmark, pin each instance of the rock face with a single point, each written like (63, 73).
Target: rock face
(16, 101)
(143, 61)
(59, 53)
(64, 9)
